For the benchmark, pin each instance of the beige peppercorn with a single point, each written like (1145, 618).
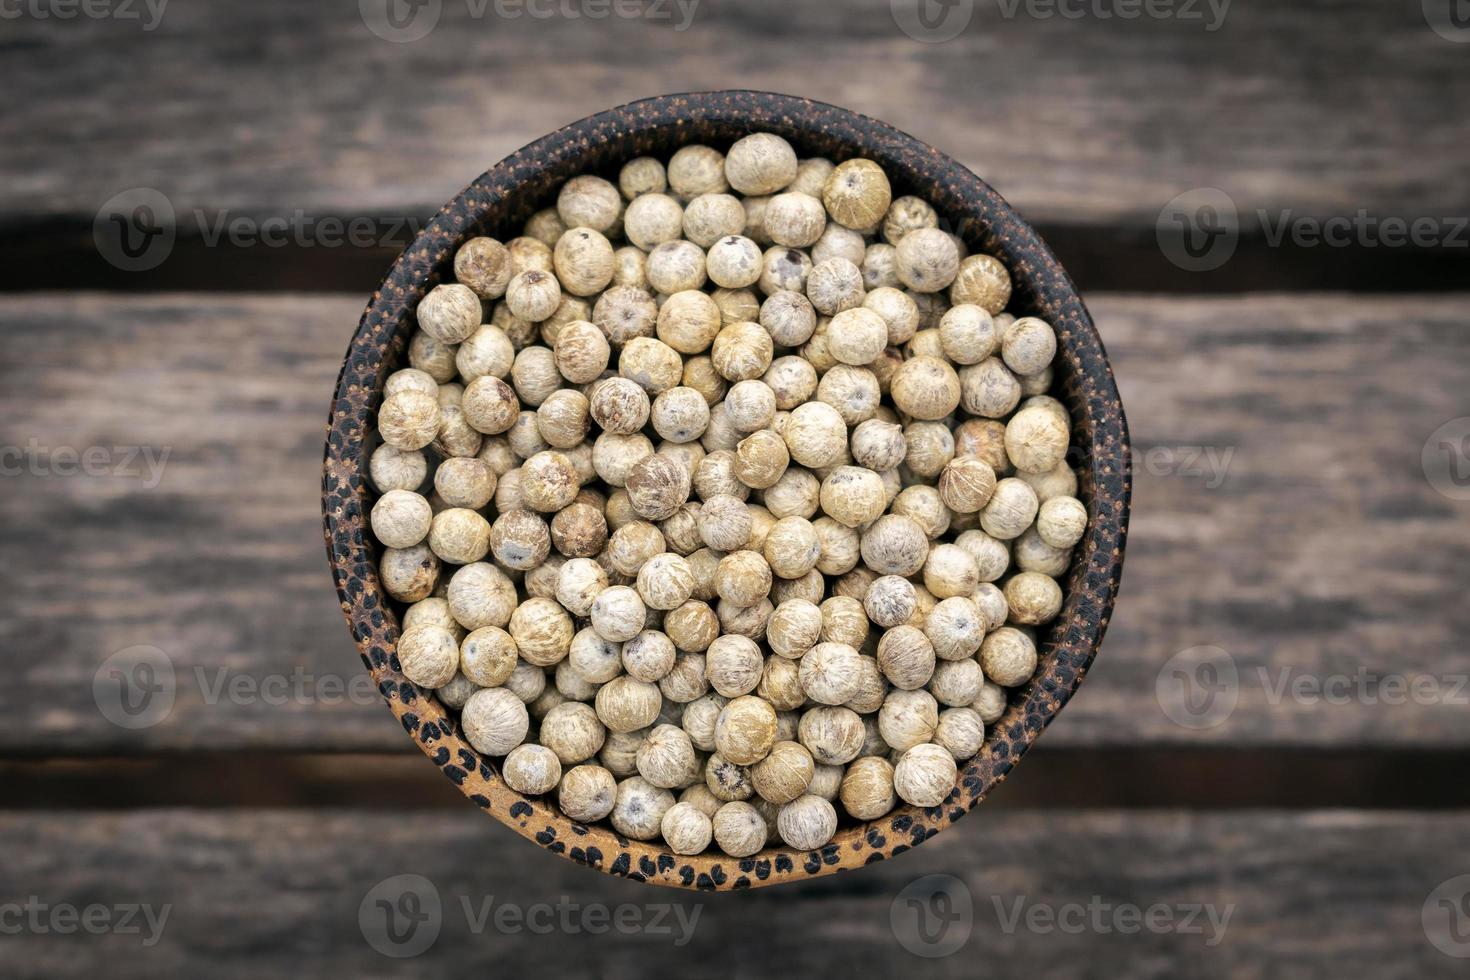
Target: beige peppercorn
(1036, 440)
(784, 774)
(495, 721)
(549, 482)
(483, 264)
(481, 595)
(983, 281)
(1011, 509)
(928, 260)
(743, 578)
(745, 731)
(831, 673)
(653, 219)
(906, 658)
(761, 458)
(626, 704)
(761, 163)
(488, 656)
(956, 682)
(966, 484)
(449, 313)
(739, 829)
(1028, 345)
(429, 656)
(587, 793)
(1033, 598)
(925, 775)
(642, 175)
(733, 665)
(955, 628)
(962, 731)
(519, 539)
(853, 496)
(531, 769)
(950, 571)
(533, 295)
(890, 601)
(867, 788)
(833, 735)
(926, 388)
(908, 718)
(857, 195)
(409, 420)
(1008, 657)
(807, 823)
(728, 781)
(1061, 521)
(589, 202)
(489, 405)
(989, 389)
(686, 828)
(401, 519)
(666, 759)
(542, 631)
(676, 267)
(857, 336)
(572, 731)
(459, 536)
(397, 469)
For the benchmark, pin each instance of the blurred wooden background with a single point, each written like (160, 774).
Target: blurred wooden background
(1280, 406)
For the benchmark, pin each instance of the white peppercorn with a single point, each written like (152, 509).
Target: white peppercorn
(587, 793)
(962, 731)
(686, 828)
(1008, 657)
(956, 682)
(950, 571)
(666, 758)
(807, 823)
(495, 721)
(572, 731)
(833, 735)
(857, 195)
(853, 496)
(1036, 440)
(739, 829)
(489, 405)
(526, 682)
(1011, 509)
(983, 281)
(925, 775)
(908, 718)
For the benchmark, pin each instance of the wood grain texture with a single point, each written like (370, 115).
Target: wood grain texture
(265, 108)
(257, 893)
(1321, 550)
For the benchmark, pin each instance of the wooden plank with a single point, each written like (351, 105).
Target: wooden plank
(253, 893)
(276, 106)
(1319, 551)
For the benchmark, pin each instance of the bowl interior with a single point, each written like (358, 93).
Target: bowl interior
(498, 204)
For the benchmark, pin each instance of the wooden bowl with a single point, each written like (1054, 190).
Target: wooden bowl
(496, 204)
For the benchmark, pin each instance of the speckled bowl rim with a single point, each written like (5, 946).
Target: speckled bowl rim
(506, 195)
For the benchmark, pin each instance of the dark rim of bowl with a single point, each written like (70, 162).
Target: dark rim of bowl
(505, 196)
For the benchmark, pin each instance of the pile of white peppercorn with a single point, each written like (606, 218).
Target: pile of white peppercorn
(731, 480)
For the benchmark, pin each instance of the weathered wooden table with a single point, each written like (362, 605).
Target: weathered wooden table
(160, 438)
